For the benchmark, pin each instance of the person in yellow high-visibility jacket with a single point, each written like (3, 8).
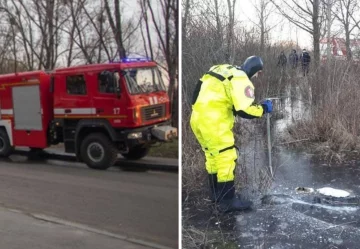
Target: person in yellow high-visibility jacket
(223, 92)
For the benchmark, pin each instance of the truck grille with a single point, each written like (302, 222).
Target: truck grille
(152, 112)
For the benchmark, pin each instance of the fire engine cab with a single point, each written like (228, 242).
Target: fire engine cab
(97, 111)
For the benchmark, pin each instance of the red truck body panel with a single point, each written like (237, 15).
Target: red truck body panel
(39, 81)
(119, 111)
(30, 101)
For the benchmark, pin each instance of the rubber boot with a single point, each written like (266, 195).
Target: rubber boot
(213, 187)
(228, 201)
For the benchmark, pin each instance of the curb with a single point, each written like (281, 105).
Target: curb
(147, 163)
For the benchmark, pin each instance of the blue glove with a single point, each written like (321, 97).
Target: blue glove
(267, 105)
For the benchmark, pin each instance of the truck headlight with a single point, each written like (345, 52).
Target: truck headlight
(135, 115)
(134, 135)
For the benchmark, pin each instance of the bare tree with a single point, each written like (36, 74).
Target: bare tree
(264, 9)
(345, 10)
(167, 32)
(218, 16)
(98, 21)
(46, 32)
(37, 24)
(186, 15)
(305, 14)
(7, 39)
(230, 31)
(146, 37)
(78, 29)
(12, 24)
(116, 26)
(103, 43)
(148, 46)
(45, 16)
(329, 20)
(22, 23)
(219, 41)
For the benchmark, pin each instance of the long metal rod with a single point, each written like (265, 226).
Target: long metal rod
(268, 128)
(269, 142)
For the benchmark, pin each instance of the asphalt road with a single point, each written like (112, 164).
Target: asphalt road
(140, 205)
(19, 230)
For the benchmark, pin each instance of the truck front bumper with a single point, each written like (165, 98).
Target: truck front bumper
(164, 133)
(149, 134)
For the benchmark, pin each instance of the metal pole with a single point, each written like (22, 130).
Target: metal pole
(269, 142)
(269, 137)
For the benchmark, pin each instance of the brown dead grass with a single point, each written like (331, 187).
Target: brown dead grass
(335, 114)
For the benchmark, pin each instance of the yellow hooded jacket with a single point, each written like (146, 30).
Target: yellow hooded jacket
(223, 89)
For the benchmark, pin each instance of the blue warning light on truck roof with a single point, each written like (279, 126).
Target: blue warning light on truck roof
(130, 60)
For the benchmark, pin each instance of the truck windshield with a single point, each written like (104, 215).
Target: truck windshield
(143, 80)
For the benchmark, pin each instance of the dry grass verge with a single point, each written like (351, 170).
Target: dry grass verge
(167, 150)
(333, 127)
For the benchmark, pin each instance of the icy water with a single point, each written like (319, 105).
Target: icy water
(287, 218)
(287, 215)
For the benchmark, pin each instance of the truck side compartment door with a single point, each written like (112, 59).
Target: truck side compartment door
(28, 125)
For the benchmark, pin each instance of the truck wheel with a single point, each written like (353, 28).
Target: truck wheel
(5, 146)
(136, 152)
(98, 152)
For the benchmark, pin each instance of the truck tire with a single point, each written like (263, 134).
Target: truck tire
(98, 152)
(5, 147)
(136, 153)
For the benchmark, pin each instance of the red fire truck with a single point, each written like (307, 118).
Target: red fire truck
(98, 111)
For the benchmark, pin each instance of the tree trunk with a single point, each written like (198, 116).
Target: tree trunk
(118, 33)
(50, 43)
(347, 43)
(328, 14)
(230, 33)
(262, 27)
(316, 32)
(116, 26)
(186, 15)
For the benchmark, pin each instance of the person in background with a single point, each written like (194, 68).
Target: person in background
(293, 59)
(305, 61)
(282, 60)
(222, 93)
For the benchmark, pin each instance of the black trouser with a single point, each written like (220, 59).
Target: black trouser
(305, 68)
